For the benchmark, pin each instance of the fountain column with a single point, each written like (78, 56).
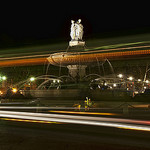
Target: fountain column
(77, 71)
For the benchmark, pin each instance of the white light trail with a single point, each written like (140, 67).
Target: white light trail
(85, 120)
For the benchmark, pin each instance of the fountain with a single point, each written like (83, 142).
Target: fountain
(76, 59)
(77, 84)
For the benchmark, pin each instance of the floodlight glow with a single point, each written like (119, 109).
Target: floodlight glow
(1, 92)
(147, 81)
(120, 75)
(130, 78)
(139, 80)
(32, 79)
(114, 85)
(3, 77)
(14, 90)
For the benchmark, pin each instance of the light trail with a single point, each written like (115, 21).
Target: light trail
(73, 58)
(46, 55)
(22, 57)
(19, 62)
(84, 120)
(117, 49)
(31, 121)
(52, 108)
(24, 107)
(85, 113)
(85, 56)
(118, 45)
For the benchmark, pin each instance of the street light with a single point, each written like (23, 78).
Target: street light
(114, 85)
(120, 75)
(147, 81)
(4, 78)
(14, 90)
(130, 78)
(32, 79)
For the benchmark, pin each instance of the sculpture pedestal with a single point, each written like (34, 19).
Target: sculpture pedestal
(76, 43)
(77, 71)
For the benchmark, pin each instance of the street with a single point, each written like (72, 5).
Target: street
(22, 134)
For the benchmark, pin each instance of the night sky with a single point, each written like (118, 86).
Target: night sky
(52, 20)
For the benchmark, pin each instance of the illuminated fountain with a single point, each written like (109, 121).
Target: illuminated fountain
(76, 59)
(78, 84)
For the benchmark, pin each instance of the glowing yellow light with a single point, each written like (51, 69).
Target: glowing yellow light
(14, 90)
(26, 120)
(135, 128)
(85, 113)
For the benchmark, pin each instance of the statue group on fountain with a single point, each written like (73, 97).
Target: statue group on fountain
(76, 30)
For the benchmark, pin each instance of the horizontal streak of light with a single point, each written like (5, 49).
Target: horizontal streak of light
(84, 113)
(57, 59)
(22, 57)
(34, 116)
(32, 121)
(76, 117)
(83, 57)
(116, 125)
(22, 107)
(23, 62)
(116, 49)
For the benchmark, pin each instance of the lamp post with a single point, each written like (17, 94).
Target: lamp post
(32, 79)
(3, 79)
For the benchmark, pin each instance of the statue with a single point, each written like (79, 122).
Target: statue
(73, 30)
(76, 30)
(79, 31)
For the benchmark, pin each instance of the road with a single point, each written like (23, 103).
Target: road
(59, 133)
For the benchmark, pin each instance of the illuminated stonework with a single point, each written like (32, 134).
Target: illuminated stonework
(76, 34)
(76, 43)
(76, 30)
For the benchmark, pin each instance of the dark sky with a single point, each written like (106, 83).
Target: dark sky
(52, 20)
